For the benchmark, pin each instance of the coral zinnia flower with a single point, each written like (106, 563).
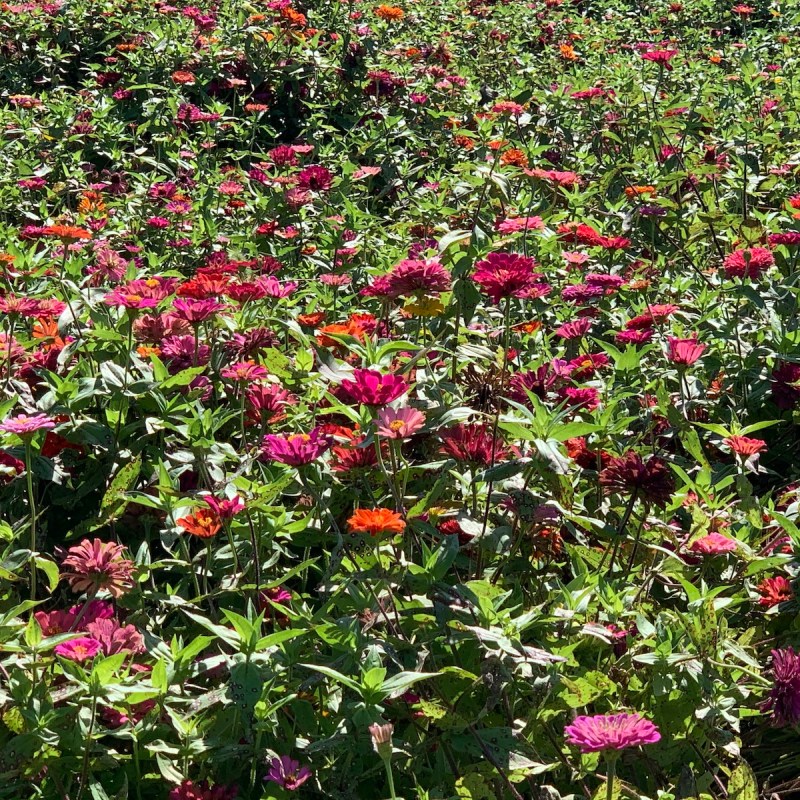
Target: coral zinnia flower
(743, 446)
(774, 591)
(611, 732)
(67, 233)
(784, 698)
(375, 521)
(713, 544)
(205, 523)
(650, 480)
(94, 565)
(372, 388)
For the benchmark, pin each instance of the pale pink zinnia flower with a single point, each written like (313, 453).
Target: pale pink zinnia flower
(399, 423)
(94, 565)
(24, 425)
(611, 732)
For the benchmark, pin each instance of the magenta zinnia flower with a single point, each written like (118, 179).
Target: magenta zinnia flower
(288, 773)
(684, 351)
(611, 732)
(786, 385)
(196, 311)
(784, 698)
(23, 425)
(78, 650)
(505, 275)
(296, 449)
(372, 388)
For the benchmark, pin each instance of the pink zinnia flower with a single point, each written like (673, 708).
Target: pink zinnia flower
(574, 330)
(748, 263)
(115, 638)
(684, 351)
(661, 57)
(196, 311)
(246, 371)
(287, 773)
(502, 275)
(23, 425)
(78, 650)
(372, 388)
(296, 449)
(713, 544)
(517, 224)
(611, 732)
(224, 507)
(399, 423)
(94, 565)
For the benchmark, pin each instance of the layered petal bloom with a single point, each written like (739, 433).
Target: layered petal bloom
(23, 425)
(375, 521)
(295, 449)
(748, 263)
(650, 480)
(373, 388)
(78, 650)
(684, 351)
(611, 732)
(502, 275)
(94, 565)
(713, 544)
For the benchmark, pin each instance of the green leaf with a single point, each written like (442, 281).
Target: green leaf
(742, 784)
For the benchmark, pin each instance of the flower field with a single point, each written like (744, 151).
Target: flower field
(399, 401)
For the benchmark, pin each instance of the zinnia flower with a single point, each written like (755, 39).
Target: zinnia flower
(743, 446)
(78, 650)
(713, 544)
(475, 444)
(204, 523)
(748, 263)
(372, 388)
(684, 351)
(23, 425)
(502, 275)
(784, 698)
(296, 449)
(399, 423)
(375, 521)
(774, 591)
(94, 565)
(650, 480)
(611, 732)
(287, 773)
(786, 385)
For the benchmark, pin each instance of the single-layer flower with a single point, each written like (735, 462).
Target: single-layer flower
(399, 423)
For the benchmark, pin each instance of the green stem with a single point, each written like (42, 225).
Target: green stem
(32, 506)
(387, 762)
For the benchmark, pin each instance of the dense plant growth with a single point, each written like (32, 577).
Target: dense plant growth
(399, 401)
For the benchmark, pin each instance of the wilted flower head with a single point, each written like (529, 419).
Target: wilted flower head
(784, 698)
(650, 480)
(611, 732)
(476, 444)
(287, 773)
(94, 565)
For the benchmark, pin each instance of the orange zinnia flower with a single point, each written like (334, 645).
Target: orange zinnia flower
(389, 12)
(91, 201)
(67, 233)
(204, 523)
(375, 521)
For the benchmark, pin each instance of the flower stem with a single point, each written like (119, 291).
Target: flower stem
(387, 762)
(32, 506)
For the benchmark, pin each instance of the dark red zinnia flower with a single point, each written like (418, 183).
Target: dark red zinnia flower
(629, 474)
